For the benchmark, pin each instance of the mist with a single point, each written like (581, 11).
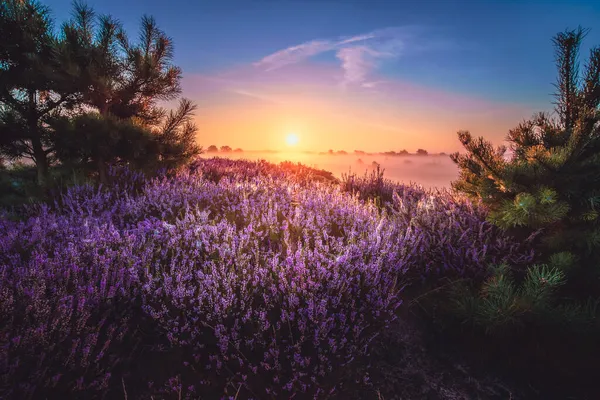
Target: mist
(432, 171)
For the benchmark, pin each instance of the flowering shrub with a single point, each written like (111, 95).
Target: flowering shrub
(65, 295)
(454, 239)
(215, 168)
(263, 282)
(451, 233)
(373, 186)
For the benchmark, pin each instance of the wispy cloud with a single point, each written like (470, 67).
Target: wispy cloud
(357, 39)
(255, 95)
(294, 54)
(358, 62)
(360, 55)
(372, 84)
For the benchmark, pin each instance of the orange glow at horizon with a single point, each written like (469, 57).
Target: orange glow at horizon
(261, 127)
(267, 115)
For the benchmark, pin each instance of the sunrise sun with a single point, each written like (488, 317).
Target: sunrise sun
(292, 139)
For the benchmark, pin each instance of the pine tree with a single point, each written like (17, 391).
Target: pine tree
(552, 180)
(34, 86)
(116, 77)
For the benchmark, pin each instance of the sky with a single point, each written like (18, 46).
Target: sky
(371, 75)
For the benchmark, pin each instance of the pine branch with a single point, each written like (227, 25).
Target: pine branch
(591, 88)
(567, 53)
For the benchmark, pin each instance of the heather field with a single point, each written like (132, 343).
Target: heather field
(230, 279)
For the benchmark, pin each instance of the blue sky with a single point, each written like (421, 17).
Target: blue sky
(494, 51)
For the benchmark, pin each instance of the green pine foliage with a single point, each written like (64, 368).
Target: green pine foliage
(84, 140)
(118, 76)
(91, 141)
(175, 136)
(507, 303)
(550, 184)
(552, 179)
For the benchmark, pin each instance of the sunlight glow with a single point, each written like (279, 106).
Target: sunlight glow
(292, 139)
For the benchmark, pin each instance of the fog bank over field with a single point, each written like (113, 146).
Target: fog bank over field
(432, 171)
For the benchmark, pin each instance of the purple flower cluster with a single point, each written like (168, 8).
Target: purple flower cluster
(60, 279)
(265, 282)
(452, 234)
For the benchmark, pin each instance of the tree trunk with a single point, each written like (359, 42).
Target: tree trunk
(100, 162)
(41, 161)
(39, 154)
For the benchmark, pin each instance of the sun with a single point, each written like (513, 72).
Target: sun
(292, 139)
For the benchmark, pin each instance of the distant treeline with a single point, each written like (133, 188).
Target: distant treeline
(224, 149)
(420, 152)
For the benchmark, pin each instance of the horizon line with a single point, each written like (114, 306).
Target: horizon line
(334, 152)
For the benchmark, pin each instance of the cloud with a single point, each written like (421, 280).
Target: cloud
(372, 84)
(357, 62)
(256, 95)
(359, 54)
(294, 54)
(357, 38)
